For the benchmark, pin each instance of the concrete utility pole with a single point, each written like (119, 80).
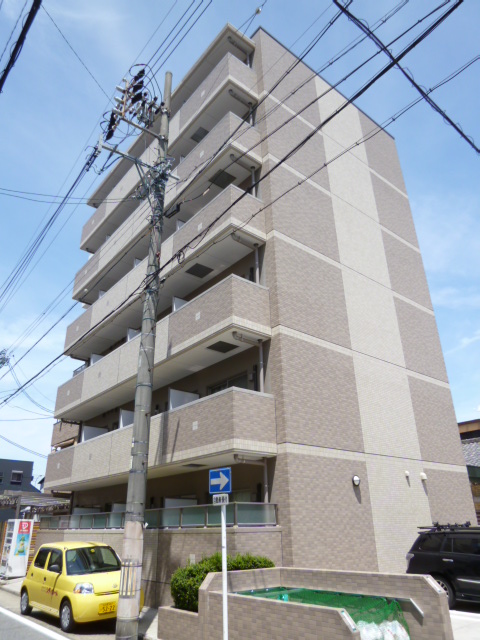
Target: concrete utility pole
(20, 42)
(132, 557)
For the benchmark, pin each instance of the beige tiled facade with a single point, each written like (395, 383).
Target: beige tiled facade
(328, 278)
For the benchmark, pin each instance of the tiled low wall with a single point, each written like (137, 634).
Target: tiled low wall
(264, 619)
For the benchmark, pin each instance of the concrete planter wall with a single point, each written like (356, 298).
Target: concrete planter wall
(428, 618)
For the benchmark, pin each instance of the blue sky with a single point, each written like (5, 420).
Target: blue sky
(49, 114)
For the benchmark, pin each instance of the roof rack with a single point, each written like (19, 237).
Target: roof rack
(436, 526)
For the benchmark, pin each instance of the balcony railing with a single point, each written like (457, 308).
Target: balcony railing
(242, 215)
(79, 369)
(233, 303)
(230, 68)
(239, 514)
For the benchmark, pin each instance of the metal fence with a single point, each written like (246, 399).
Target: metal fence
(239, 514)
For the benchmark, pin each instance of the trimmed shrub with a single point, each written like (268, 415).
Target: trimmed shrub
(186, 581)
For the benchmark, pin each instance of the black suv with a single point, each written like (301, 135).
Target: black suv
(451, 555)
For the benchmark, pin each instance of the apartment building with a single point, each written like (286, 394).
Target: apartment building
(15, 475)
(296, 339)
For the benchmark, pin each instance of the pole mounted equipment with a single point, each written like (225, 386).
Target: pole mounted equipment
(138, 110)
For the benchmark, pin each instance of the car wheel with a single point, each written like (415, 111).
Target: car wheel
(447, 587)
(66, 617)
(25, 608)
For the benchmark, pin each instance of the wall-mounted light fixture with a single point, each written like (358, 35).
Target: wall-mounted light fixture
(407, 474)
(423, 476)
(356, 481)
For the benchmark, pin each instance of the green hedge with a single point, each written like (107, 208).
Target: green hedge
(186, 581)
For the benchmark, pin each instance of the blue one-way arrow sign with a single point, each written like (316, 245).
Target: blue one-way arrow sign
(220, 480)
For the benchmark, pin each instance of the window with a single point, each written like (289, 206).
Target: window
(430, 543)
(41, 558)
(466, 545)
(91, 560)
(17, 477)
(240, 381)
(56, 557)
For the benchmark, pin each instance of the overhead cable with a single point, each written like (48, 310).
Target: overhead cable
(408, 75)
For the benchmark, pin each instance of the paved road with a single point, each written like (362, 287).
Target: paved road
(13, 625)
(40, 626)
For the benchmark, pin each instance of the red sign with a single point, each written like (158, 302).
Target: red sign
(24, 526)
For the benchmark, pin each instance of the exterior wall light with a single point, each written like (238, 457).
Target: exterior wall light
(423, 476)
(407, 474)
(356, 481)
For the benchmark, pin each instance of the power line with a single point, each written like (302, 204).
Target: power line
(13, 30)
(117, 238)
(37, 404)
(19, 446)
(237, 134)
(32, 249)
(22, 265)
(169, 33)
(382, 22)
(202, 234)
(309, 47)
(77, 56)
(257, 12)
(184, 36)
(25, 419)
(363, 89)
(408, 75)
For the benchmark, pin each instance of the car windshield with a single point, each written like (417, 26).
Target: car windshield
(91, 560)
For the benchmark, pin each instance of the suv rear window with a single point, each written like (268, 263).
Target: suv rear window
(430, 543)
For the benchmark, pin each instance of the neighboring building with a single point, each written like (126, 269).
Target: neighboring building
(15, 475)
(470, 436)
(469, 429)
(328, 280)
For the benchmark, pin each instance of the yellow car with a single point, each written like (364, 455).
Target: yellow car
(75, 581)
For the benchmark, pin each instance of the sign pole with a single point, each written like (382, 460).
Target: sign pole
(220, 486)
(224, 571)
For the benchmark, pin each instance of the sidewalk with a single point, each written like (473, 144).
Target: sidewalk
(148, 619)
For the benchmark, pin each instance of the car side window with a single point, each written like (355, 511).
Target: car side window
(466, 545)
(430, 543)
(447, 547)
(41, 558)
(55, 558)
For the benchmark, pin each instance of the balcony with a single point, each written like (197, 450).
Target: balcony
(209, 431)
(64, 434)
(185, 342)
(239, 514)
(105, 268)
(225, 89)
(217, 257)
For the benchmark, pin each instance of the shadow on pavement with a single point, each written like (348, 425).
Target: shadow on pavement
(470, 607)
(86, 629)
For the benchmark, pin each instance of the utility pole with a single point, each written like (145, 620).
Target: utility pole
(19, 44)
(154, 178)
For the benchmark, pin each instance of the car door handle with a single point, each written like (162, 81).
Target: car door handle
(447, 560)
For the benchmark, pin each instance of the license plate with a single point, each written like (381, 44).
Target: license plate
(107, 607)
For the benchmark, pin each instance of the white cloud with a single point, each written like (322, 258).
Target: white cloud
(465, 342)
(456, 298)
